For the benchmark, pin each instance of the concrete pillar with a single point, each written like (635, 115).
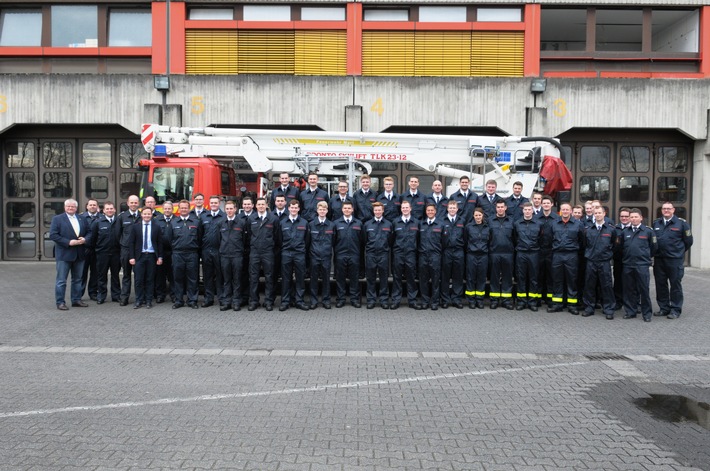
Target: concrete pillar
(536, 122)
(353, 118)
(172, 115)
(700, 220)
(152, 113)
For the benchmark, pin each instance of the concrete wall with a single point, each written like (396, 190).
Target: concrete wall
(321, 101)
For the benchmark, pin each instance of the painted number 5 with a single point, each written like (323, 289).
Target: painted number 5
(560, 108)
(198, 105)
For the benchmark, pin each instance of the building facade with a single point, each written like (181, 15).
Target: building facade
(624, 85)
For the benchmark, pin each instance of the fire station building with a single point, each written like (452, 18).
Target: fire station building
(625, 86)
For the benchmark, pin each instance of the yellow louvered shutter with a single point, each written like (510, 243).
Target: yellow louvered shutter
(266, 52)
(497, 53)
(388, 53)
(321, 52)
(442, 53)
(210, 52)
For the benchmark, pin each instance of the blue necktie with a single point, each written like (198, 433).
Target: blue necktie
(145, 237)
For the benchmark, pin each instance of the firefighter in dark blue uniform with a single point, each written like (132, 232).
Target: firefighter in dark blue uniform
(124, 222)
(294, 245)
(527, 234)
(364, 197)
(211, 267)
(105, 240)
(618, 261)
(431, 247)
(515, 202)
(264, 241)
(390, 200)
(281, 213)
(502, 255)
(185, 236)
(404, 266)
(416, 198)
(438, 199)
(322, 235)
(310, 197)
(453, 259)
(466, 199)
(478, 237)
(546, 217)
(674, 239)
(88, 276)
(378, 246)
(488, 200)
(638, 244)
(337, 200)
(245, 213)
(280, 210)
(348, 246)
(567, 239)
(600, 242)
(164, 272)
(285, 189)
(232, 245)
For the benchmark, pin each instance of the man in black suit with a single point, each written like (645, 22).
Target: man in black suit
(146, 251)
(70, 234)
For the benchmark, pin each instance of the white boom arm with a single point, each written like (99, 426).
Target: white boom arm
(327, 152)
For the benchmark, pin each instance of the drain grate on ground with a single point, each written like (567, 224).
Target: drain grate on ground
(605, 356)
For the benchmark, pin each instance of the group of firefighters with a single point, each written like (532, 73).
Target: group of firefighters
(440, 251)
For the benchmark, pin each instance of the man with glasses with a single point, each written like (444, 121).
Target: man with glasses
(674, 239)
(338, 199)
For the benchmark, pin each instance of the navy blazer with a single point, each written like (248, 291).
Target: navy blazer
(135, 240)
(61, 232)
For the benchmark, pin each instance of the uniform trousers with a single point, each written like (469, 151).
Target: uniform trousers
(669, 271)
(452, 269)
(404, 271)
(126, 280)
(231, 280)
(212, 274)
(320, 270)
(186, 266)
(564, 273)
(377, 276)
(291, 263)
(527, 267)
(347, 274)
(636, 290)
(598, 277)
(430, 279)
(476, 271)
(258, 261)
(501, 276)
(164, 276)
(104, 263)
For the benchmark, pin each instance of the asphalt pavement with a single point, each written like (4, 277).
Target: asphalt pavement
(109, 387)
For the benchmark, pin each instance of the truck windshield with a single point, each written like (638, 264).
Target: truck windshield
(170, 183)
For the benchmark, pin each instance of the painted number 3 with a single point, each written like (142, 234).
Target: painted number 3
(560, 108)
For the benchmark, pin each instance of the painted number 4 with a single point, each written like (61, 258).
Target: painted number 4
(377, 107)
